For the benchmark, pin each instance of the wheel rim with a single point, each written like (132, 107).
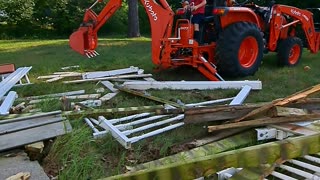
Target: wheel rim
(248, 52)
(294, 54)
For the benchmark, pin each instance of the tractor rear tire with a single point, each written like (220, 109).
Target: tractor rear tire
(289, 51)
(239, 50)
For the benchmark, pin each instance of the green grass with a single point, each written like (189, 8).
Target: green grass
(83, 157)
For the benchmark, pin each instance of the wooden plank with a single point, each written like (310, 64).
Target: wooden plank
(157, 99)
(246, 157)
(110, 86)
(280, 102)
(215, 137)
(299, 95)
(74, 74)
(286, 111)
(265, 121)
(23, 117)
(32, 135)
(108, 78)
(258, 111)
(119, 111)
(84, 96)
(294, 129)
(108, 96)
(26, 124)
(217, 113)
(54, 79)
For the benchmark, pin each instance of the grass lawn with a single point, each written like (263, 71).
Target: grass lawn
(77, 155)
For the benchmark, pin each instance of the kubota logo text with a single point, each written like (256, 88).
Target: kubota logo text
(149, 8)
(295, 12)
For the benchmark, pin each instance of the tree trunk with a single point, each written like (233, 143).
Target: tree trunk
(133, 19)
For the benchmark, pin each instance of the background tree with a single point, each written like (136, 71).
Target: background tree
(19, 12)
(133, 19)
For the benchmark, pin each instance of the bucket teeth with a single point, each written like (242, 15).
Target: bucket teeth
(91, 53)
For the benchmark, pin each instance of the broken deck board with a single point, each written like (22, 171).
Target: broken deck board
(299, 95)
(281, 102)
(27, 136)
(265, 121)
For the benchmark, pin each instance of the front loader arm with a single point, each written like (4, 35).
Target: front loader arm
(278, 24)
(85, 40)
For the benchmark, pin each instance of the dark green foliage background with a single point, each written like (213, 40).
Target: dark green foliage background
(59, 18)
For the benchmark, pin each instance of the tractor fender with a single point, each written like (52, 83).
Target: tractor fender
(239, 14)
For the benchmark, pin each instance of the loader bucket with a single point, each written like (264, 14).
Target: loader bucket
(83, 43)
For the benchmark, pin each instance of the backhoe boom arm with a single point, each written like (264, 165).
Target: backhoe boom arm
(160, 15)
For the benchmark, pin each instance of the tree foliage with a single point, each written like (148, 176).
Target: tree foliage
(17, 11)
(61, 17)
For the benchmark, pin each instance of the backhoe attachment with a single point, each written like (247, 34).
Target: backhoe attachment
(84, 41)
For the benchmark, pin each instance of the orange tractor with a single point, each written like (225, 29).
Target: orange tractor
(234, 36)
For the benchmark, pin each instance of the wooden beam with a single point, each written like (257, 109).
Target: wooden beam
(157, 99)
(217, 113)
(299, 95)
(265, 121)
(246, 157)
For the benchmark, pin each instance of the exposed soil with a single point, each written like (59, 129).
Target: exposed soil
(50, 166)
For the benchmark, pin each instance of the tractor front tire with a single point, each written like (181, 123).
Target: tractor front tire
(239, 50)
(289, 51)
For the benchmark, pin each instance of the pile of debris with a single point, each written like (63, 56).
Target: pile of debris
(137, 123)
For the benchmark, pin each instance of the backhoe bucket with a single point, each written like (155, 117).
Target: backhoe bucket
(84, 43)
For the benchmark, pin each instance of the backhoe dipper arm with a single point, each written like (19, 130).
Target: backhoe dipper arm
(279, 26)
(85, 40)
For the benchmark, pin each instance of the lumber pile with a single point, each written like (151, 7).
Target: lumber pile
(291, 109)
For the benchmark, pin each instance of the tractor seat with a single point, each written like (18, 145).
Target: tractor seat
(208, 13)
